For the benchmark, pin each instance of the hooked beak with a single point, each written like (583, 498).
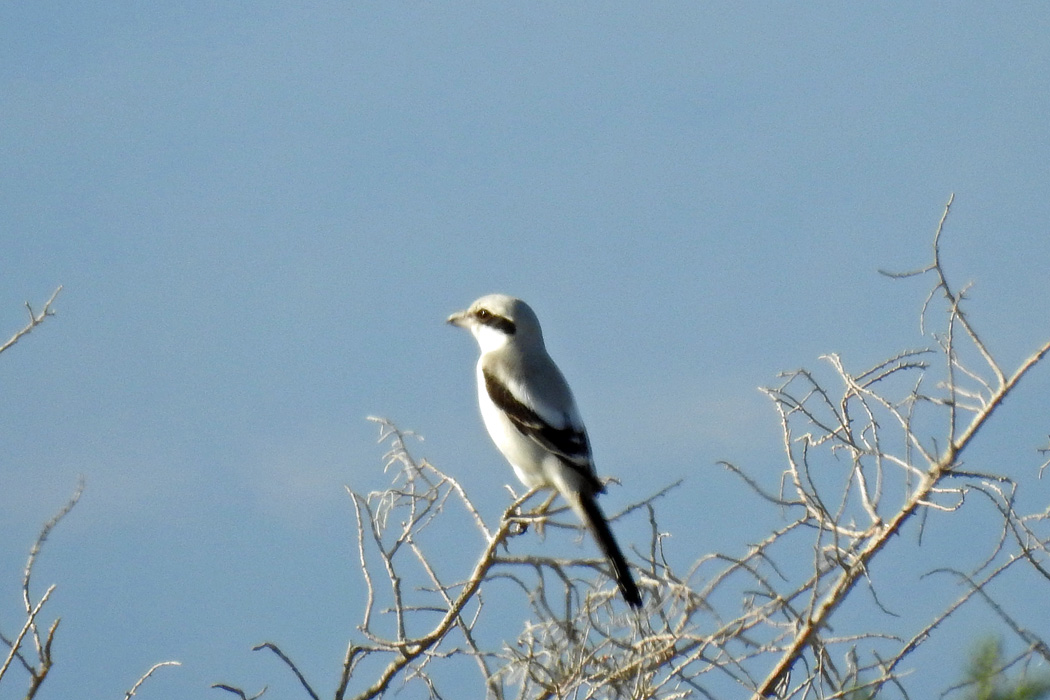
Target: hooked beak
(460, 318)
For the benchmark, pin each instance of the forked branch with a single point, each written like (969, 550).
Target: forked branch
(35, 319)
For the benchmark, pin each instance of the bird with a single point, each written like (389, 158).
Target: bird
(531, 416)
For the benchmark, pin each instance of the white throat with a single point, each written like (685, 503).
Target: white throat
(489, 338)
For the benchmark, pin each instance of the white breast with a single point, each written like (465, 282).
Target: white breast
(524, 455)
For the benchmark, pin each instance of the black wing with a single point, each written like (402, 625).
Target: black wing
(569, 443)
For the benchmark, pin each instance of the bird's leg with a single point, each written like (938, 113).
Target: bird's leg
(520, 517)
(516, 515)
(540, 514)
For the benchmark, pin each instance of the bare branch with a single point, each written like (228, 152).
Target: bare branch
(288, 662)
(865, 453)
(40, 668)
(134, 689)
(35, 319)
(238, 692)
(29, 624)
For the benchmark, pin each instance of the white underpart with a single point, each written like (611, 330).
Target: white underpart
(488, 338)
(525, 456)
(532, 463)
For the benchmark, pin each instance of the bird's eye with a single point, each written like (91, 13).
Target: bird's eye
(483, 314)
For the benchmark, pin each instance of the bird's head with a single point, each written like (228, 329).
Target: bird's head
(498, 319)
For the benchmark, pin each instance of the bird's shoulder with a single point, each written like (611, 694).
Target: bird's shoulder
(550, 420)
(534, 382)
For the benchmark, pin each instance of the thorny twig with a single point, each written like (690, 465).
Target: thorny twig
(866, 452)
(145, 676)
(862, 440)
(38, 669)
(35, 319)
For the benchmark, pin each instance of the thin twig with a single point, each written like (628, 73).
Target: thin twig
(142, 679)
(35, 319)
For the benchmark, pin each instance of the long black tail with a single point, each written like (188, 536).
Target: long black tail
(599, 526)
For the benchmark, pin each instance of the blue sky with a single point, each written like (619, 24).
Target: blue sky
(261, 215)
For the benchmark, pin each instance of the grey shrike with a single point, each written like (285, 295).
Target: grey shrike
(530, 414)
